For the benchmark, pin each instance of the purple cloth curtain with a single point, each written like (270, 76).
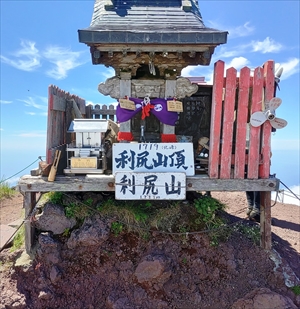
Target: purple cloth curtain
(159, 111)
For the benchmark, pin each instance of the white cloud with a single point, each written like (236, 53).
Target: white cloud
(108, 72)
(224, 52)
(237, 63)
(27, 58)
(287, 197)
(290, 68)
(12, 181)
(90, 103)
(1, 129)
(187, 71)
(234, 32)
(266, 46)
(63, 59)
(30, 113)
(43, 99)
(5, 102)
(241, 31)
(31, 102)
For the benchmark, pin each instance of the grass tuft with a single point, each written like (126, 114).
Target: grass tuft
(19, 239)
(296, 289)
(6, 191)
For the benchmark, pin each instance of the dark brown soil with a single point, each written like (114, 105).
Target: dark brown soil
(194, 274)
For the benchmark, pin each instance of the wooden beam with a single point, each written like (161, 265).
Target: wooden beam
(103, 182)
(29, 203)
(265, 220)
(125, 90)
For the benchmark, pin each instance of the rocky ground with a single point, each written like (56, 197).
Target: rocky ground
(95, 268)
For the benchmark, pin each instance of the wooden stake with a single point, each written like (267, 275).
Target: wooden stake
(53, 170)
(29, 204)
(265, 220)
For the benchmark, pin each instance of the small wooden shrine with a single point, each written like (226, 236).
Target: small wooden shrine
(148, 43)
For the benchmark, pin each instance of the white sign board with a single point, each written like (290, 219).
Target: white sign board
(150, 186)
(153, 157)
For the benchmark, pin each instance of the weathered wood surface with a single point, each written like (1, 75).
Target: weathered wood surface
(229, 117)
(98, 183)
(29, 203)
(241, 125)
(228, 122)
(265, 220)
(254, 140)
(63, 107)
(264, 169)
(101, 112)
(233, 100)
(216, 118)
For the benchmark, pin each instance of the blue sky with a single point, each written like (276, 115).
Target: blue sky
(39, 47)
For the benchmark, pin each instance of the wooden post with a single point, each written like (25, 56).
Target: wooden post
(169, 93)
(29, 204)
(265, 220)
(125, 90)
(88, 111)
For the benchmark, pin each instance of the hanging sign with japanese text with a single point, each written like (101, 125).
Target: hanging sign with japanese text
(153, 158)
(150, 186)
(174, 106)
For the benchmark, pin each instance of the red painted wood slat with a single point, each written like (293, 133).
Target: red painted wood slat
(254, 141)
(264, 169)
(228, 121)
(241, 123)
(215, 125)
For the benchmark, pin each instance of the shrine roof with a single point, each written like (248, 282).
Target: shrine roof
(156, 22)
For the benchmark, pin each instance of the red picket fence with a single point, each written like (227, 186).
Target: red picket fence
(233, 101)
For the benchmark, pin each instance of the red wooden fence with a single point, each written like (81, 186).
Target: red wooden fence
(233, 101)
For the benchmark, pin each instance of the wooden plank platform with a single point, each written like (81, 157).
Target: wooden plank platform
(98, 183)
